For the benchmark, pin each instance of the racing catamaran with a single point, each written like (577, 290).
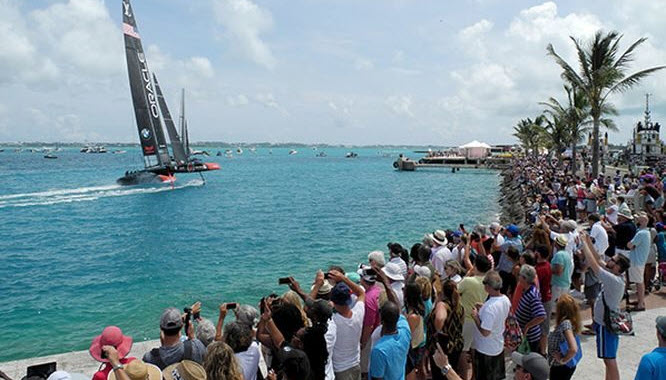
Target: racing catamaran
(151, 113)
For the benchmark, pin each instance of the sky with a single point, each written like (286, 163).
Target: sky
(363, 72)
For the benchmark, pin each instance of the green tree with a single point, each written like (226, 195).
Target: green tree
(601, 73)
(531, 134)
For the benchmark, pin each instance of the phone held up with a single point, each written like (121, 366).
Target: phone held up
(284, 280)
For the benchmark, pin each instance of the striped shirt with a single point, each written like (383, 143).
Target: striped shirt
(531, 307)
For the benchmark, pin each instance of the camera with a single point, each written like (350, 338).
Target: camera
(232, 305)
(283, 281)
(327, 275)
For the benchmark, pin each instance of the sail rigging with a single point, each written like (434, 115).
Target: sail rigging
(179, 154)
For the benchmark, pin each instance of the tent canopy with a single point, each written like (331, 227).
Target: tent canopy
(475, 144)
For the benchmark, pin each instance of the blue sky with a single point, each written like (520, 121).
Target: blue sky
(312, 71)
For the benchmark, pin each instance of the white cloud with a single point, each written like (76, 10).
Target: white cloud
(237, 101)
(245, 21)
(400, 105)
(268, 100)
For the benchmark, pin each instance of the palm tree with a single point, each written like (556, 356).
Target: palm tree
(600, 75)
(530, 133)
(557, 134)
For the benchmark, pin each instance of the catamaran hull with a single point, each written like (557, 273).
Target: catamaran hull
(144, 177)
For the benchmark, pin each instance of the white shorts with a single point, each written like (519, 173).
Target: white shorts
(468, 334)
(636, 273)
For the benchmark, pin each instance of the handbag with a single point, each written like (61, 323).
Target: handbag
(564, 348)
(617, 322)
(524, 347)
(513, 335)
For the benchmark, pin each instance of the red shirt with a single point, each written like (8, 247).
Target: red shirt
(103, 372)
(544, 274)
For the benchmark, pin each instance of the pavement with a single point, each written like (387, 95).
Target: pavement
(631, 349)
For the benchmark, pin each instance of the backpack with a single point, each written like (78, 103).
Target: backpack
(513, 335)
(187, 355)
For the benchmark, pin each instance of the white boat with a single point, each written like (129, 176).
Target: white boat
(239, 151)
(119, 152)
(293, 151)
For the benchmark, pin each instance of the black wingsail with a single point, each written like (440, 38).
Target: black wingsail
(183, 124)
(176, 143)
(151, 135)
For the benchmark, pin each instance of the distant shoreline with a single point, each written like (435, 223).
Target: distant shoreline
(231, 144)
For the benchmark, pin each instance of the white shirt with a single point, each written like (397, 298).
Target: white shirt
(600, 236)
(249, 361)
(397, 287)
(439, 259)
(611, 214)
(347, 346)
(330, 336)
(493, 315)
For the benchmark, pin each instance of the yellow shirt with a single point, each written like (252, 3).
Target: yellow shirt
(471, 291)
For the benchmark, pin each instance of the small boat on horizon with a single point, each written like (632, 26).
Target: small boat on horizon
(351, 155)
(119, 152)
(50, 156)
(239, 151)
(293, 151)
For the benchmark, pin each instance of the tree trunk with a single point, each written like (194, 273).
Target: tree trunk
(573, 161)
(595, 148)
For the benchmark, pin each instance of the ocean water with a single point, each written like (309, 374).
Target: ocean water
(78, 252)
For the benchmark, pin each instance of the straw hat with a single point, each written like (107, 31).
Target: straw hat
(439, 237)
(138, 370)
(561, 240)
(185, 370)
(110, 336)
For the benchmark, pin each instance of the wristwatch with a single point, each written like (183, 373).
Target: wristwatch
(118, 366)
(446, 369)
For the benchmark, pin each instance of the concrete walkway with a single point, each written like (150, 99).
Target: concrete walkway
(590, 368)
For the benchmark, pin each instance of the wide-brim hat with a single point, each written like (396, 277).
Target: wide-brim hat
(626, 213)
(325, 288)
(138, 370)
(110, 336)
(392, 271)
(439, 237)
(185, 370)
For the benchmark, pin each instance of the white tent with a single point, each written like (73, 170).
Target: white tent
(475, 149)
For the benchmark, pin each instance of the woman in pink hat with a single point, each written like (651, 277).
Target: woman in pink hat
(111, 336)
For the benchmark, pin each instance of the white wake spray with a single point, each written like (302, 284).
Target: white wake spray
(82, 194)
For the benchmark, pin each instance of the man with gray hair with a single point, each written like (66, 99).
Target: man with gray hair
(172, 349)
(489, 320)
(530, 312)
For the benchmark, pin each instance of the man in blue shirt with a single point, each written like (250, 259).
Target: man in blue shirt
(389, 355)
(653, 365)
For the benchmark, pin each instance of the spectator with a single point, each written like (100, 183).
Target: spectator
(415, 312)
(396, 253)
(489, 319)
(396, 279)
(295, 364)
(453, 271)
(544, 275)
(138, 370)
(377, 257)
(530, 312)
(445, 326)
(318, 339)
(371, 318)
(472, 291)
(511, 239)
(440, 252)
(640, 249)
(561, 268)
(205, 331)
(612, 289)
(653, 365)
(349, 325)
(530, 366)
(172, 349)
(111, 336)
(240, 338)
(568, 326)
(389, 355)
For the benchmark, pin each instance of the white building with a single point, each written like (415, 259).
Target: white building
(645, 140)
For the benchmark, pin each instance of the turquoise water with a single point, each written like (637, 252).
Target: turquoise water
(79, 253)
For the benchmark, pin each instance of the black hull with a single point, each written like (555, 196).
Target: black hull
(142, 177)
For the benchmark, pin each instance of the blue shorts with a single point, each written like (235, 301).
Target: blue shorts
(607, 342)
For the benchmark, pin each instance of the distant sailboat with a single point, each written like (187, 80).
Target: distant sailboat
(151, 113)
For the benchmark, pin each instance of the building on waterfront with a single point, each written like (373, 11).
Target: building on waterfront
(646, 145)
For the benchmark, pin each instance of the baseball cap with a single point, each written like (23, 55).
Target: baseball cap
(341, 294)
(515, 231)
(533, 363)
(171, 319)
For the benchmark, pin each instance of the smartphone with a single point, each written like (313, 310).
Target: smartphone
(283, 281)
(231, 305)
(41, 370)
(370, 272)
(327, 275)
